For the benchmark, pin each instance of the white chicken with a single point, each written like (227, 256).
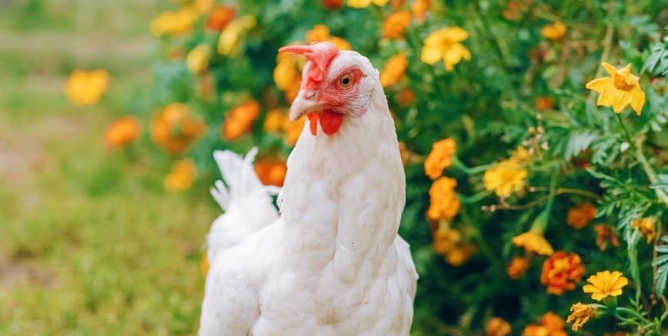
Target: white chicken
(332, 264)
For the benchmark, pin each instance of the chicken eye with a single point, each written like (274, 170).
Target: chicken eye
(346, 81)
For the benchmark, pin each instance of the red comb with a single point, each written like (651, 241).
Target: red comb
(320, 54)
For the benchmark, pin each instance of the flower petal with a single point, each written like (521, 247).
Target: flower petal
(431, 54)
(637, 99)
(599, 84)
(609, 68)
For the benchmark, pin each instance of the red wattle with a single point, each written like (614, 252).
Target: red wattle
(313, 118)
(331, 122)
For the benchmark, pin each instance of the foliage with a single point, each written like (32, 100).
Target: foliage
(531, 142)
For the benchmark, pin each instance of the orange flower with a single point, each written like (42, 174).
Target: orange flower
(271, 171)
(174, 129)
(405, 97)
(86, 88)
(580, 314)
(332, 4)
(220, 17)
(605, 234)
(395, 25)
(439, 158)
(646, 226)
(394, 69)
(174, 23)
(122, 132)
(240, 120)
(561, 271)
(517, 267)
(444, 202)
(555, 31)
(274, 120)
(182, 175)
(460, 254)
(515, 9)
(204, 266)
(497, 326)
(581, 215)
(293, 130)
(288, 74)
(320, 33)
(448, 243)
(550, 325)
(544, 103)
(420, 8)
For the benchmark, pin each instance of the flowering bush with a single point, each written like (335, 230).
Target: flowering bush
(532, 134)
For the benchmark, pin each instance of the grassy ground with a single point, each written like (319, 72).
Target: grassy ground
(90, 244)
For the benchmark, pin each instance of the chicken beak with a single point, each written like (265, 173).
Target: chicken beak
(303, 104)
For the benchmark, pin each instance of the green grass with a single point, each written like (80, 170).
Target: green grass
(90, 243)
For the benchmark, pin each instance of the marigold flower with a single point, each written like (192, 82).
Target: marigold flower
(533, 242)
(240, 120)
(555, 31)
(86, 88)
(220, 17)
(274, 120)
(122, 132)
(332, 4)
(202, 6)
(515, 9)
(605, 284)
(405, 97)
(182, 175)
(320, 33)
(420, 9)
(288, 74)
(230, 39)
(445, 240)
(551, 324)
(293, 130)
(271, 171)
(444, 45)
(580, 314)
(460, 254)
(647, 227)
(622, 88)
(204, 265)
(174, 129)
(520, 156)
(444, 202)
(366, 3)
(605, 234)
(561, 272)
(544, 103)
(174, 23)
(517, 267)
(497, 326)
(394, 69)
(395, 25)
(439, 158)
(505, 178)
(198, 59)
(579, 216)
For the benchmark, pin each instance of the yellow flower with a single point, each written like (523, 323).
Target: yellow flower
(394, 69)
(520, 156)
(198, 59)
(517, 267)
(505, 178)
(439, 158)
(293, 130)
(230, 39)
(460, 254)
(444, 202)
(533, 242)
(86, 88)
(622, 88)
(646, 226)
(497, 326)
(240, 120)
(605, 284)
(320, 33)
(174, 23)
(581, 215)
(288, 74)
(580, 314)
(274, 121)
(122, 132)
(395, 25)
(443, 44)
(555, 31)
(182, 175)
(366, 3)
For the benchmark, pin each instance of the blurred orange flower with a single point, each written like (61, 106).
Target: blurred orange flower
(551, 324)
(394, 69)
(240, 120)
(448, 243)
(579, 216)
(174, 23)
(366, 3)
(647, 227)
(220, 17)
(320, 33)
(561, 272)
(293, 130)
(198, 59)
(182, 175)
(517, 267)
(605, 234)
(204, 266)
(444, 202)
(86, 88)
(497, 326)
(174, 129)
(544, 103)
(439, 158)
(395, 25)
(533, 242)
(555, 31)
(122, 132)
(288, 74)
(332, 4)
(420, 8)
(271, 171)
(405, 97)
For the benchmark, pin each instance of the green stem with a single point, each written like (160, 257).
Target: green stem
(456, 163)
(651, 174)
(475, 198)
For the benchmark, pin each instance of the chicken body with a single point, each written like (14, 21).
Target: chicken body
(332, 264)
